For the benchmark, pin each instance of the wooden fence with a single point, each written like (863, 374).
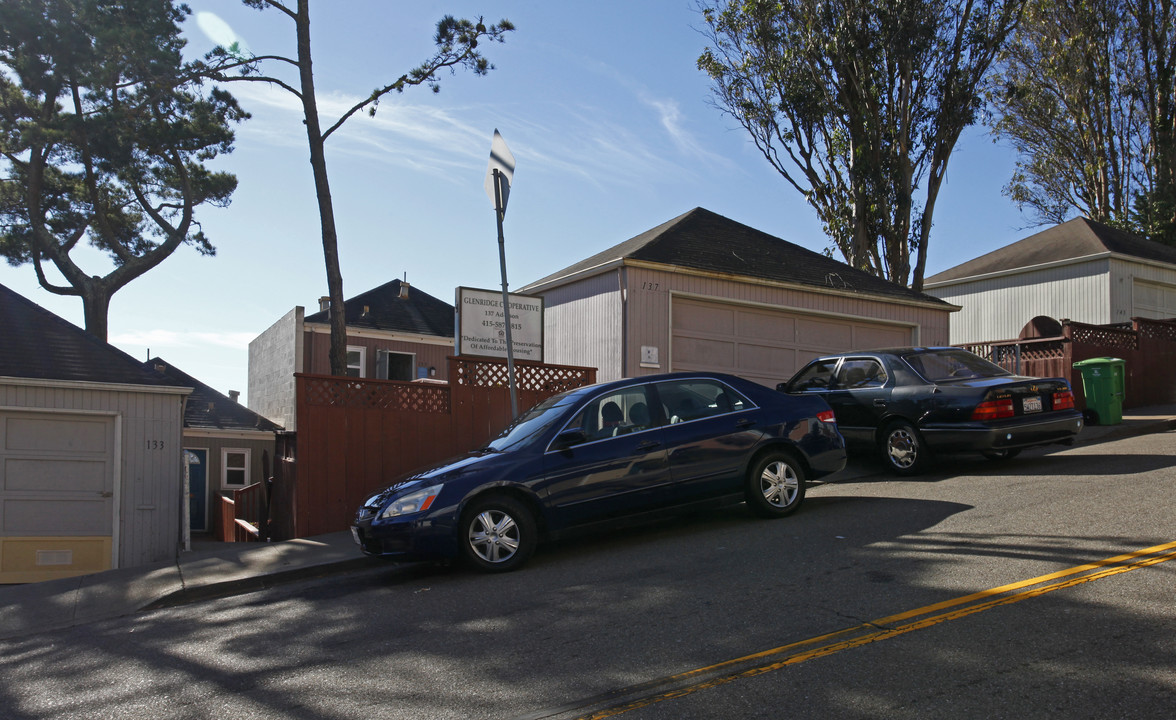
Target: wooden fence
(1147, 347)
(355, 436)
(241, 516)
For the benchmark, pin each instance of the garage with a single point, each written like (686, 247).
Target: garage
(704, 292)
(57, 494)
(763, 344)
(1153, 300)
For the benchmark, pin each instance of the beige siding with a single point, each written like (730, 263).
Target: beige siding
(148, 452)
(583, 325)
(765, 344)
(997, 308)
(1141, 290)
(649, 305)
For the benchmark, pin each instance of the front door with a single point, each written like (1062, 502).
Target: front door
(198, 491)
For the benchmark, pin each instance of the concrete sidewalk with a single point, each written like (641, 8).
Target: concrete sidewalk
(235, 568)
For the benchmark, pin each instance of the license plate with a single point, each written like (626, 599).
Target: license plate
(355, 535)
(1031, 404)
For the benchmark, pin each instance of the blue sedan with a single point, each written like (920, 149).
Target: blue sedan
(597, 454)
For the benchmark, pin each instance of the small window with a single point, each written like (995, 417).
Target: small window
(394, 365)
(860, 373)
(685, 400)
(356, 361)
(235, 467)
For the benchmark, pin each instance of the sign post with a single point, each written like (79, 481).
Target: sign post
(499, 174)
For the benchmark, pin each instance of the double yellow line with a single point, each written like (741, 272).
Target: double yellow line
(884, 628)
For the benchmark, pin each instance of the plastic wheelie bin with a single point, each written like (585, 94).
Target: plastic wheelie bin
(1103, 382)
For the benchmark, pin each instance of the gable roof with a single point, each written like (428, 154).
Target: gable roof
(419, 314)
(704, 240)
(1073, 239)
(39, 345)
(208, 409)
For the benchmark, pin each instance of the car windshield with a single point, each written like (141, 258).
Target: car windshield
(952, 364)
(532, 423)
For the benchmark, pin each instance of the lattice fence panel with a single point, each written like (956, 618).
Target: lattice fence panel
(377, 394)
(1157, 329)
(543, 378)
(1102, 336)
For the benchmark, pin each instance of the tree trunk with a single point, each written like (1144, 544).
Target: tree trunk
(318, 164)
(96, 309)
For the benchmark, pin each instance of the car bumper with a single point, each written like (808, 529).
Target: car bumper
(417, 539)
(1009, 434)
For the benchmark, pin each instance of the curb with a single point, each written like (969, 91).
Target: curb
(242, 586)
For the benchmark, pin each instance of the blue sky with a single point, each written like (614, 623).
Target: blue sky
(610, 123)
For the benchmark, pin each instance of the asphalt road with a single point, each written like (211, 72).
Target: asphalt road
(1035, 588)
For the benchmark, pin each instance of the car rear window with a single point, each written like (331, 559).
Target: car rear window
(941, 365)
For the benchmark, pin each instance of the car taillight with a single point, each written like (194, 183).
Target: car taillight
(993, 409)
(826, 416)
(1063, 400)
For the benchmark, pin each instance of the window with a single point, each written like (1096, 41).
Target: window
(814, 378)
(856, 373)
(235, 467)
(394, 365)
(618, 413)
(685, 400)
(356, 361)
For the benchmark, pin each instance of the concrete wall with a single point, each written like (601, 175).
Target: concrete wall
(274, 357)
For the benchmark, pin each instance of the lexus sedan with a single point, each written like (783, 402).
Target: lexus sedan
(590, 456)
(908, 403)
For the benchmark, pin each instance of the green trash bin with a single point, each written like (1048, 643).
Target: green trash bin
(1103, 382)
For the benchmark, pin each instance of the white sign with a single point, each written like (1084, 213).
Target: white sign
(503, 161)
(481, 329)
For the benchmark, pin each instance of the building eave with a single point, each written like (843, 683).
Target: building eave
(93, 385)
(229, 434)
(352, 331)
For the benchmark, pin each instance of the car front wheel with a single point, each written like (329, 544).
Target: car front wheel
(775, 485)
(903, 449)
(498, 534)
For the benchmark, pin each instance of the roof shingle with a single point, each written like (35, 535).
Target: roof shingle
(1072, 239)
(39, 345)
(420, 313)
(704, 240)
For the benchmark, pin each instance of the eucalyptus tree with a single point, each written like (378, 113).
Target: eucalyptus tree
(858, 105)
(1086, 95)
(104, 136)
(456, 43)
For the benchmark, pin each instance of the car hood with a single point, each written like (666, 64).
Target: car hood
(448, 470)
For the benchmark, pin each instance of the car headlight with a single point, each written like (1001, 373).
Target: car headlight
(414, 502)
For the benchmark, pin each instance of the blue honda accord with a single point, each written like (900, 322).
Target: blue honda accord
(601, 453)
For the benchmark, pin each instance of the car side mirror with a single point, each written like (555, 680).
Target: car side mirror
(569, 438)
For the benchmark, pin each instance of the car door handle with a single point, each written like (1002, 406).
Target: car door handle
(647, 445)
(879, 402)
(745, 423)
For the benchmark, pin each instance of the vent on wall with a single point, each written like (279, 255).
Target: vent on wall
(54, 557)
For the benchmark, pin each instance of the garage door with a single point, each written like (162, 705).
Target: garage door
(764, 345)
(56, 495)
(1154, 300)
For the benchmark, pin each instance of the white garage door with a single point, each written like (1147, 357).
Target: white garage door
(56, 494)
(1154, 300)
(765, 345)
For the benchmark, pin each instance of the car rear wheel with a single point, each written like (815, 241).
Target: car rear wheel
(903, 449)
(775, 485)
(498, 534)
